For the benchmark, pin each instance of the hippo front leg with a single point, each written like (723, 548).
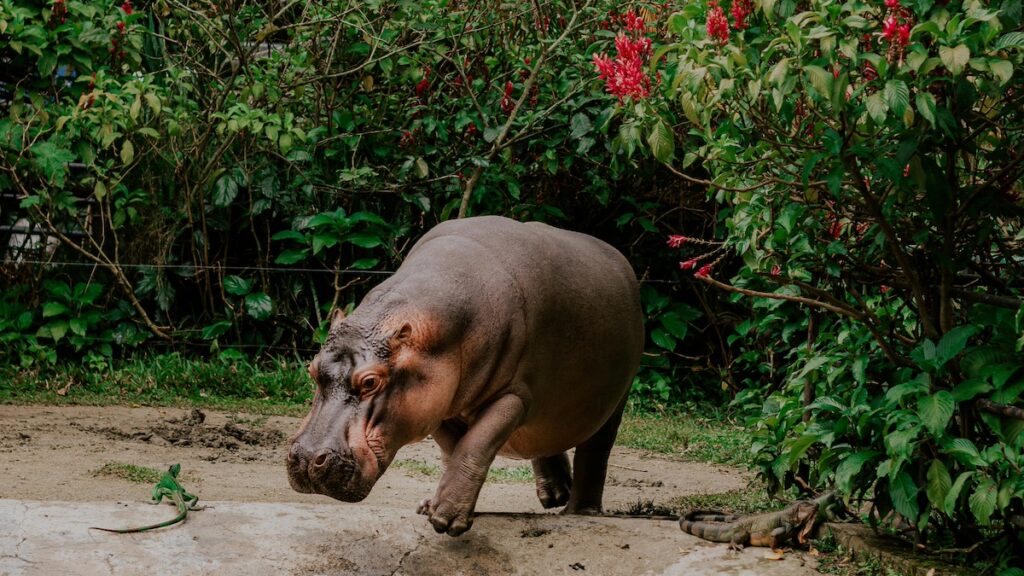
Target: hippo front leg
(451, 509)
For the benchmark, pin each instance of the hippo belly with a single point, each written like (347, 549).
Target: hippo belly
(493, 336)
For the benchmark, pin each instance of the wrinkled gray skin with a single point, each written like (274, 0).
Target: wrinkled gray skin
(494, 336)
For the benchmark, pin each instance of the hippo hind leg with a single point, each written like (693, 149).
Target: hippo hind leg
(590, 466)
(554, 479)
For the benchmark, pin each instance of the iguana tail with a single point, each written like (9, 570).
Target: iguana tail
(713, 525)
(182, 513)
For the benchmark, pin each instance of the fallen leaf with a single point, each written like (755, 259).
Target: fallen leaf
(774, 555)
(814, 552)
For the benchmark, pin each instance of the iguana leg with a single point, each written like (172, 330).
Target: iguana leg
(777, 539)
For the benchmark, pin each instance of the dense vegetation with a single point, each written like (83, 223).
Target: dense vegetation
(839, 185)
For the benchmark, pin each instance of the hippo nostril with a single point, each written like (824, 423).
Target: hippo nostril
(321, 460)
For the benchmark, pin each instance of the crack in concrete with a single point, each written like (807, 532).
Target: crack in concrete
(419, 542)
(17, 552)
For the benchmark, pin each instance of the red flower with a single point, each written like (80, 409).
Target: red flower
(704, 271)
(884, 289)
(421, 87)
(892, 3)
(120, 27)
(776, 270)
(675, 240)
(127, 8)
(635, 23)
(717, 24)
(869, 72)
(687, 265)
(625, 76)
(506, 101)
(739, 11)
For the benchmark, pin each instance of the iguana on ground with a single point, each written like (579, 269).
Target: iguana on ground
(168, 487)
(773, 529)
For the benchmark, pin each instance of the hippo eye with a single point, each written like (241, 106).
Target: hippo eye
(369, 385)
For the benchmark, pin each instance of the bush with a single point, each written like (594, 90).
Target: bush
(867, 158)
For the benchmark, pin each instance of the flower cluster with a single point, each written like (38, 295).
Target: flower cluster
(625, 76)
(424, 84)
(59, 13)
(677, 241)
(739, 12)
(896, 28)
(506, 100)
(127, 8)
(718, 24)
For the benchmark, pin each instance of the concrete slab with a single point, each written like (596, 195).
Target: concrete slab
(53, 538)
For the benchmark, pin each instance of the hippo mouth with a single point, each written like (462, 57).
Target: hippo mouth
(331, 474)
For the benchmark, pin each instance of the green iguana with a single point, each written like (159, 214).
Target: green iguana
(168, 487)
(773, 529)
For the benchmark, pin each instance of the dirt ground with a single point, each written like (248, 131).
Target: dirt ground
(52, 453)
(48, 484)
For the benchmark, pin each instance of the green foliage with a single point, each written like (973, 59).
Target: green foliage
(193, 158)
(870, 185)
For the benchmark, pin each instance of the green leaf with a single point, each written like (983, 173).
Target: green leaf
(225, 190)
(662, 338)
(964, 451)
(877, 107)
(939, 483)
(51, 309)
(955, 58)
(850, 466)
(78, 326)
(57, 329)
(51, 161)
(820, 78)
(580, 126)
(258, 305)
(1001, 69)
(662, 142)
(364, 264)
(127, 152)
(289, 235)
(674, 324)
(969, 389)
(216, 329)
(936, 410)
(904, 495)
(983, 501)
(952, 343)
(1010, 40)
(897, 95)
(949, 505)
(237, 285)
(364, 239)
(292, 256)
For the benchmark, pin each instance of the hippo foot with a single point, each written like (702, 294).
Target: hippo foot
(445, 519)
(554, 480)
(582, 510)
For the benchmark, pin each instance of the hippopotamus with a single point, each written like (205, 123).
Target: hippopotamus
(493, 337)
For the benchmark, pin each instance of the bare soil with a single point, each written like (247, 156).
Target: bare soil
(51, 494)
(52, 453)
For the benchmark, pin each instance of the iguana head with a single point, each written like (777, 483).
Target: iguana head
(805, 514)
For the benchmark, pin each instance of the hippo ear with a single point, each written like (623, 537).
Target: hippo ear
(337, 316)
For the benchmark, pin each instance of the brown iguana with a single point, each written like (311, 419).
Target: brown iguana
(771, 529)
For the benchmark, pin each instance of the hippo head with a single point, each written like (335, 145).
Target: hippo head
(371, 397)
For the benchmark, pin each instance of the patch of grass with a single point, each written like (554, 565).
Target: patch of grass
(513, 475)
(750, 501)
(129, 472)
(645, 508)
(274, 387)
(695, 438)
(418, 467)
